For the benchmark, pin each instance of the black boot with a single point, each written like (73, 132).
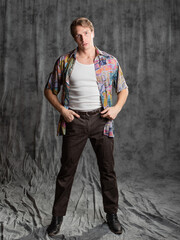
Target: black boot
(113, 223)
(55, 225)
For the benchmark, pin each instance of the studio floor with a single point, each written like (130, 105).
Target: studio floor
(149, 209)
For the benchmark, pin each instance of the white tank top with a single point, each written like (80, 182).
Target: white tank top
(83, 92)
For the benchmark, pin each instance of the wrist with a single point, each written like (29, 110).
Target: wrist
(61, 109)
(117, 108)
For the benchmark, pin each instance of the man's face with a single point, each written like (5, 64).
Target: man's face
(84, 37)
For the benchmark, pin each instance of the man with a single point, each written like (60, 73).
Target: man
(86, 76)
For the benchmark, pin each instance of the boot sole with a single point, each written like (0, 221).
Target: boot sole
(53, 234)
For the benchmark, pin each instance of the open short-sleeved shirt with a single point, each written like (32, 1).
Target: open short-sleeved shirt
(108, 74)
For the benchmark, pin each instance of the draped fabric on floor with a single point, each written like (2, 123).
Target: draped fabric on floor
(144, 36)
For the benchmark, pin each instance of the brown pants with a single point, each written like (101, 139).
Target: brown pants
(89, 125)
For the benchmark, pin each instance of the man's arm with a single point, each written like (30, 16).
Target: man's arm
(67, 114)
(112, 112)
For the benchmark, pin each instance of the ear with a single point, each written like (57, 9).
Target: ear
(93, 34)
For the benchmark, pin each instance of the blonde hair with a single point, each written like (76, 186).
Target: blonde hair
(82, 21)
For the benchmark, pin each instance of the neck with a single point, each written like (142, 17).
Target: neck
(87, 53)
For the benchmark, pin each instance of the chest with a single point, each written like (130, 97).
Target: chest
(103, 70)
(83, 75)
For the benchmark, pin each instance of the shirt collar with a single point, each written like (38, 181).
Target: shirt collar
(98, 52)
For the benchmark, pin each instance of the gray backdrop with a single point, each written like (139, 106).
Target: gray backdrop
(144, 36)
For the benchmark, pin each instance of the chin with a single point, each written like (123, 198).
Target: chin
(84, 47)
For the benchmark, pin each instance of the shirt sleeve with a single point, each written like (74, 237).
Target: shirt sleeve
(119, 81)
(56, 77)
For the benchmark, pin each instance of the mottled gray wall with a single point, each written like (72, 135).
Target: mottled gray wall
(142, 34)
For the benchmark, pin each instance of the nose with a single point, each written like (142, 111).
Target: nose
(82, 38)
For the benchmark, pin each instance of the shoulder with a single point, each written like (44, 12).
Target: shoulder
(63, 59)
(108, 57)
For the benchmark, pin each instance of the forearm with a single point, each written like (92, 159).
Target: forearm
(121, 99)
(53, 100)
(67, 114)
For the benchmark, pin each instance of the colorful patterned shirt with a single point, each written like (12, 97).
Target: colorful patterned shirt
(108, 74)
